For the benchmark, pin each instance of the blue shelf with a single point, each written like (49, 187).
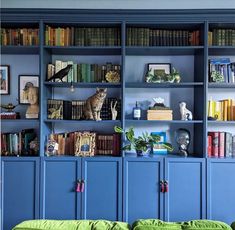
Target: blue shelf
(82, 121)
(221, 50)
(163, 85)
(86, 50)
(222, 122)
(163, 50)
(164, 121)
(19, 49)
(221, 85)
(19, 120)
(83, 85)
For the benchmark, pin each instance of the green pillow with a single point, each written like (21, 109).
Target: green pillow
(154, 224)
(71, 225)
(205, 225)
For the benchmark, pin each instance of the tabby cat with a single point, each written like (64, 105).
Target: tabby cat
(94, 104)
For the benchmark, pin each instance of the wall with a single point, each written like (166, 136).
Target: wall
(120, 4)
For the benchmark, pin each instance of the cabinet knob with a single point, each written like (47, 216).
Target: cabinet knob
(78, 186)
(162, 188)
(166, 186)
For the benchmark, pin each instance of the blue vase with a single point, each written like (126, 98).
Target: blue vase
(141, 153)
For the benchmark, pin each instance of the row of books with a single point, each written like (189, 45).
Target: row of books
(160, 37)
(82, 36)
(223, 110)
(221, 70)
(83, 72)
(104, 144)
(221, 37)
(19, 144)
(221, 144)
(9, 115)
(19, 36)
(73, 110)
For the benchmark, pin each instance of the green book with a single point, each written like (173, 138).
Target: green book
(75, 73)
(88, 72)
(79, 72)
(83, 67)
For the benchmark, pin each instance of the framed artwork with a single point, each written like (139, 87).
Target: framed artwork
(5, 79)
(26, 81)
(159, 69)
(157, 148)
(85, 144)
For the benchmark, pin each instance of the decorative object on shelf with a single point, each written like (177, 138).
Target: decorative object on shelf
(9, 114)
(61, 74)
(5, 79)
(94, 104)
(141, 144)
(159, 111)
(157, 147)
(174, 77)
(9, 107)
(186, 115)
(114, 110)
(51, 147)
(34, 147)
(183, 139)
(25, 82)
(136, 111)
(157, 72)
(85, 144)
(112, 77)
(33, 108)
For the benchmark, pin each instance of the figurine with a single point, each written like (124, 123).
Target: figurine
(61, 74)
(114, 110)
(182, 137)
(33, 109)
(9, 107)
(186, 115)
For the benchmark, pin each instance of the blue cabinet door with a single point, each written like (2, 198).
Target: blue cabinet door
(59, 197)
(142, 197)
(221, 190)
(185, 199)
(20, 190)
(102, 196)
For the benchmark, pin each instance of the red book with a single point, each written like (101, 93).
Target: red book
(215, 143)
(209, 146)
(221, 144)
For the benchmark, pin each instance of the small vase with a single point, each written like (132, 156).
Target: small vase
(141, 153)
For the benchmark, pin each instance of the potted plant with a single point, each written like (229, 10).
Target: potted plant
(142, 144)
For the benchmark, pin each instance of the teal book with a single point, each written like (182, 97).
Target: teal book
(88, 72)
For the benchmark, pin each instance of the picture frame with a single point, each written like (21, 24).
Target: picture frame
(157, 148)
(26, 81)
(85, 144)
(5, 79)
(159, 69)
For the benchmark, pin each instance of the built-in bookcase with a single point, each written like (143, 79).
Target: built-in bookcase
(177, 40)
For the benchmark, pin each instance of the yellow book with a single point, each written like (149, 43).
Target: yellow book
(233, 110)
(229, 109)
(217, 113)
(225, 110)
(209, 38)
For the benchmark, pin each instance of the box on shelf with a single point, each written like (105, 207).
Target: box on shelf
(160, 115)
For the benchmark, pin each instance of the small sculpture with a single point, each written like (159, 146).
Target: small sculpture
(33, 109)
(186, 115)
(94, 104)
(159, 104)
(55, 113)
(113, 110)
(9, 107)
(61, 74)
(183, 138)
(112, 77)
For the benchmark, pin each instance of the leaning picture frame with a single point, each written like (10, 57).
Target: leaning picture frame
(157, 148)
(159, 69)
(85, 144)
(26, 81)
(5, 79)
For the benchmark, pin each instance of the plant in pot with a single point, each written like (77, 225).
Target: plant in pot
(142, 144)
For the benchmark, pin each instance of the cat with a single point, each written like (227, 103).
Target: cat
(94, 104)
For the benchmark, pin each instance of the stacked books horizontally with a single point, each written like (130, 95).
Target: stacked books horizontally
(17, 144)
(82, 72)
(82, 36)
(161, 37)
(104, 144)
(223, 110)
(19, 36)
(9, 115)
(73, 110)
(221, 37)
(221, 70)
(221, 144)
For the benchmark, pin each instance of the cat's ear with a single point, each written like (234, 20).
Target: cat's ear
(97, 90)
(105, 90)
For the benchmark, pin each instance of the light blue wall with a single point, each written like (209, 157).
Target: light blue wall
(120, 4)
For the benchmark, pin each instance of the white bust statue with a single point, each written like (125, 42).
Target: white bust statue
(33, 109)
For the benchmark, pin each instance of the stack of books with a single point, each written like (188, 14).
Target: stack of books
(158, 114)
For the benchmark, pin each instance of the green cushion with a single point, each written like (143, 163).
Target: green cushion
(154, 224)
(71, 225)
(205, 225)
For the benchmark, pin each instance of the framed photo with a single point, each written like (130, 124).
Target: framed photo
(5, 79)
(157, 147)
(85, 144)
(159, 69)
(26, 81)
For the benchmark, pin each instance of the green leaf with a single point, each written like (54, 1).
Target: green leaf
(127, 147)
(118, 129)
(168, 146)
